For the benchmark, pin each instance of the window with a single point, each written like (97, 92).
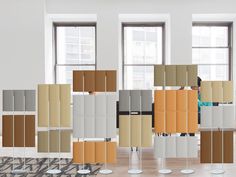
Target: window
(75, 49)
(142, 48)
(211, 50)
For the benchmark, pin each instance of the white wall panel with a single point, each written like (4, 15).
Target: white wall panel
(181, 147)
(100, 127)
(170, 147)
(192, 147)
(89, 127)
(78, 116)
(159, 147)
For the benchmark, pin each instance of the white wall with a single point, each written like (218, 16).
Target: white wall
(21, 45)
(22, 27)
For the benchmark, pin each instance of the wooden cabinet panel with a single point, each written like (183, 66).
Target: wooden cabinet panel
(135, 100)
(228, 147)
(65, 142)
(18, 130)
(89, 153)
(181, 100)
(205, 153)
(228, 91)
(78, 152)
(124, 135)
(54, 105)
(192, 122)
(170, 100)
(192, 75)
(7, 133)
(170, 75)
(78, 81)
(100, 82)
(100, 152)
(217, 147)
(181, 122)
(65, 109)
(159, 71)
(135, 131)
(111, 152)
(159, 100)
(111, 81)
(170, 122)
(29, 131)
(159, 122)
(217, 91)
(181, 74)
(43, 105)
(43, 141)
(54, 138)
(89, 81)
(206, 91)
(193, 100)
(146, 131)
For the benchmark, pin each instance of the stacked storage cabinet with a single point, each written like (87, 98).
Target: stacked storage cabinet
(217, 122)
(175, 111)
(94, 116)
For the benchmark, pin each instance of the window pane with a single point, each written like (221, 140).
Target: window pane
(138, 77)
(76, 45)
(210, 36)
(64, 73)
(143, 45)
(213, 72)
(210, 56)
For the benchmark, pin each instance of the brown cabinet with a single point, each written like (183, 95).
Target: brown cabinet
(216, 147)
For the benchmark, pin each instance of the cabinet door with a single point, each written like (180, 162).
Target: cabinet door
(228, 116)
(100, 152)
(159, 146)
(78, 152)
(89, 116)
(124, 131)
(78, 81)
(181, 73)
(89, 153)
(100, 81)
(65, 141)
(111, 116)
(146, 130)
(43, 105)
(170, 122)
(54, 105)
(136, 131)
(192, 75)
(170, 147)
(29, 131)
(124, 101)
(19, 131)
(192, 100)
(111, 81)
(170, 75)
(192, 122)
(206, 116)
(206, 91)
(217, 91)
(19, 100)
(111, 152)
(54, 138)
(181, 100)
(217, 147)
(146, 98)
(65, 109)
(217, 116)
(228, 147)
(170, 101)
(181, 147)
(192, 147)
(30, 99)
(159, 71)
(7, 131)
(228, 95)
(8, 100)
(43, 141)
(135, 100)
(205, 147)
(78, 116)
(181, 122)
(89, 81)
